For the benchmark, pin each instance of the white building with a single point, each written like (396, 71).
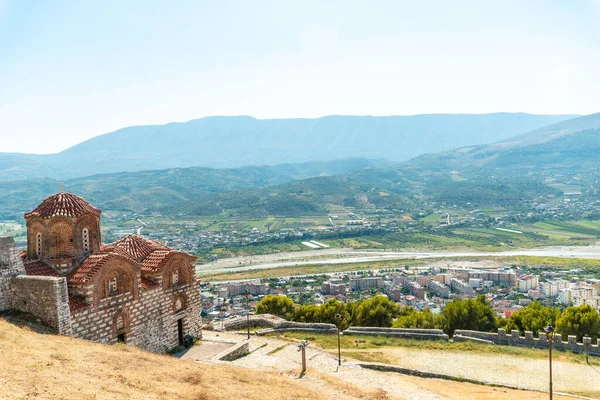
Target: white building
(527, 282)
(475, 283)
(551, 288)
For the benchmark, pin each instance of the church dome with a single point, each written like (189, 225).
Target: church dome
(138, 247)
(63, 205)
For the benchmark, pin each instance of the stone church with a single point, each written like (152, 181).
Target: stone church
(135, 290)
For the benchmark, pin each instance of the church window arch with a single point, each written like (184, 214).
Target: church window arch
(85, 239)
(113, 285)
(179, 303)
(38, 245)
(61, 240)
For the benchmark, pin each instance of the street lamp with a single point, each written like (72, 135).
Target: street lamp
(550, 335)
(302, 348)
(247, 293)
(338, 318)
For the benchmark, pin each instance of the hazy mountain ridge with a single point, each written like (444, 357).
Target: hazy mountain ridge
(138, 191)
(481, 175)
(571, 145)
(225, 142)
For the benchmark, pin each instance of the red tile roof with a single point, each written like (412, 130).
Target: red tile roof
(76, 304)
(155, 261)
(88, 268)
(63, 205)
(138, 247)
(38, 268)
(148, 284)
(92, 264)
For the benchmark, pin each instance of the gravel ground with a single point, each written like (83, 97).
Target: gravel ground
(501, 369)
(323, 374)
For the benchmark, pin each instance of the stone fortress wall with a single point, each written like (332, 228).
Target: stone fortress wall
(540, 342)
(11, 265)
(277, 324)
(44, 297)
(408, 333)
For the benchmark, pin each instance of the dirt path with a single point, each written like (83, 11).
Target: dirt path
(350, 381)
(503, 369)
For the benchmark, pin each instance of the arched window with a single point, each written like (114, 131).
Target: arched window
(38, 245)
(175, 277)
(116, 283)
(85, 237)
(61, 240)
(113, 286)
(178, 304)
(120, 322)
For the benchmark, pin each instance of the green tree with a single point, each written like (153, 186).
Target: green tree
(376, 311)
(579, 321)
(535, 317)
(330, 309)
(472, 314)
(411, 318)
(308, 313)
(281, 306)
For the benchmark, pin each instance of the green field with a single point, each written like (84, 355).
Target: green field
(378, 342)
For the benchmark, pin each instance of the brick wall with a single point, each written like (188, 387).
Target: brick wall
(44, 297)
(11, 265)
(151, 321)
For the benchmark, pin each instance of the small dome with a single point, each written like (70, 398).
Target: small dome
(63, 205)
(138, 247)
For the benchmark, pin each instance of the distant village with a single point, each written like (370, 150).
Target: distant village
(506, 289)
(190, 238)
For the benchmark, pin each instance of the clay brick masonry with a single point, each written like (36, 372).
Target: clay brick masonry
(135, 290)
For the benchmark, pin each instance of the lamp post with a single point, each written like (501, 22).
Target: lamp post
(338, 318)
(302, 348)
(550, 335)
(247, 312)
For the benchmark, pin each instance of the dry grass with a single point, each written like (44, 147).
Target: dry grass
(54, 367)
(335, 388)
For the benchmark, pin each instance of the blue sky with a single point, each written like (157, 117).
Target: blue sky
(72, 70)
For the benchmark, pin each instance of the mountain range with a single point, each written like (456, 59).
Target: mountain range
(539, 163)
(233, 142)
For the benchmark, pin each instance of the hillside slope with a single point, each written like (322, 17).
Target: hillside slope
(138, 191)
(54, 367)
(226, 142)
(568, 146)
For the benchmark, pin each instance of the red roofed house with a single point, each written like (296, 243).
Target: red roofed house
(135, 290)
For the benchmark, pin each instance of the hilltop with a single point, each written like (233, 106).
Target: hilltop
(138, 191)
(231, 142)
(569, 145)
(45, 366)
(51, 367)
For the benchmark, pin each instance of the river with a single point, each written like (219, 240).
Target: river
(350, 256)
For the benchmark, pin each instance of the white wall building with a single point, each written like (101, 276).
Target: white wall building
(527, 282)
